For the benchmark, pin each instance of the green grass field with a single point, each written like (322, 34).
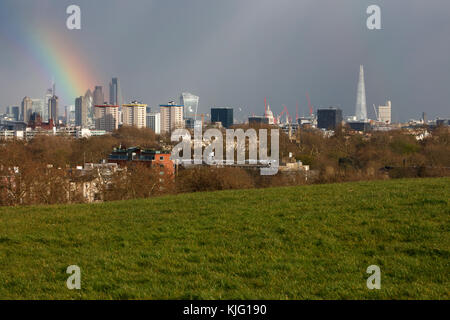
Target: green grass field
(310, 242)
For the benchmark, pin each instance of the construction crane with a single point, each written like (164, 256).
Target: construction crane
(265, 106)
(285, 111)
(375, 110)
(309, 104)
(202, 115)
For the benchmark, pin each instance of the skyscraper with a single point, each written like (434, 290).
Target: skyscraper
(45, 116)
(80, 112)
(38, 107)
(26, 109)
(15, 111)
(115, 97)
(134, 114)
(361, 109)
(99, 97)
(190, 103)
(171, 117)
(53, 109)
(89, 101)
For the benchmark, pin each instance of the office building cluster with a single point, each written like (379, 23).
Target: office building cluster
(92, 112)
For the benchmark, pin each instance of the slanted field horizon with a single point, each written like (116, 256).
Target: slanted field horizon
(306, 242)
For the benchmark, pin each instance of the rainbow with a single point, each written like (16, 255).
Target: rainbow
(55, 58)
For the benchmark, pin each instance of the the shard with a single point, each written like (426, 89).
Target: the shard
(361, 109)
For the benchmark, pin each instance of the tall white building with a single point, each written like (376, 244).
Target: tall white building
(106, 117)
(385, 112)
(134, 114)
(171, 117)
(154, 121)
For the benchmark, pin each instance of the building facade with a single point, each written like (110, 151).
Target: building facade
(53, 109)
(258, 120)
(361, 108)
(151, 158)
(115, 97)
(99, 97)
(84, 111)
(329, 119)
(171, 117)
(190, 103)
(80, 112)
(106, 117)
(154, 121)
(134, 114)
(385, 113)
(27, 109)
(48, 95)
(38, 107)
(223, 115)
(15, 112)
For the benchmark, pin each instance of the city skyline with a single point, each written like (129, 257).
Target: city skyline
(230, 55)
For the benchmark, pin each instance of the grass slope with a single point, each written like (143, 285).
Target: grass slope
(308, 242)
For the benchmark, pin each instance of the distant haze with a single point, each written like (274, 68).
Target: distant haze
(236, 52)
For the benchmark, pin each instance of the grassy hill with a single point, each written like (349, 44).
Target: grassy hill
(309, 242)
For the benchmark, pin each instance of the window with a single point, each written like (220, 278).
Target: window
(161, 158)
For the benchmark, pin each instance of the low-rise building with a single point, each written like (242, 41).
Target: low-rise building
(136, 155)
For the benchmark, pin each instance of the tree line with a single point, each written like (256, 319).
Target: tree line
(41, 171)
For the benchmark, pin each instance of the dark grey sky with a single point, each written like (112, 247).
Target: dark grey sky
(236, 52)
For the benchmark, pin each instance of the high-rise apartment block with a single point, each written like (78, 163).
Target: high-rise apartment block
(106, 117)
(171, 117)
(154, 121)
(134, 114)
